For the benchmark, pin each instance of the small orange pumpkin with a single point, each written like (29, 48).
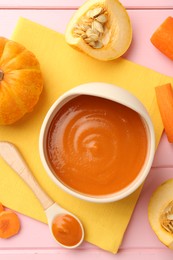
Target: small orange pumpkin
(21, 81)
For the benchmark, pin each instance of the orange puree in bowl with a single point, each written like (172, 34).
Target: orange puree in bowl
(96, 146)
(67, 230)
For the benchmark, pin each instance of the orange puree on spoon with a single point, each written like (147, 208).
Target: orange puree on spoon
(67, 230)
(96, 146)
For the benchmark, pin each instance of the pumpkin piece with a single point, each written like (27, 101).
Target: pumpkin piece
(160, 213)
(21, 81)
(101, 29)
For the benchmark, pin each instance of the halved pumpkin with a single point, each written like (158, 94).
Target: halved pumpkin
(160, 213)
(100, 28)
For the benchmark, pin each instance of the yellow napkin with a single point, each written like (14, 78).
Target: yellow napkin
(64, 68)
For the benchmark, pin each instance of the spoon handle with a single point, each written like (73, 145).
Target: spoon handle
(13, 158)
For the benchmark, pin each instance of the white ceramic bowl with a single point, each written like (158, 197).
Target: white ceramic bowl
(113, 93)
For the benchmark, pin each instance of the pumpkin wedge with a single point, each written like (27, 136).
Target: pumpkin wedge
(101, 29)
(21, 81)
(160, 213)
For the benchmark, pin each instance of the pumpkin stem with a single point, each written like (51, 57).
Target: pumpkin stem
(1, 75)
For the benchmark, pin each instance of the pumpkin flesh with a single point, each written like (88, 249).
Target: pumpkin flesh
(159, 201)
(117, 36)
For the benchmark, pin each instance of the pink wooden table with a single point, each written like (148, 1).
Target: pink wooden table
(34, 241)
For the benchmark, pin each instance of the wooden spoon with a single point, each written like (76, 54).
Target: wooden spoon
(13, 158)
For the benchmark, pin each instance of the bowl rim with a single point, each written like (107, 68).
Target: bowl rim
(122, 96)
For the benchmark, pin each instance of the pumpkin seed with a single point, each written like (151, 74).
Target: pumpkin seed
(170, 217)
(102, 18)
(166, 218)
(166, 228)
(87, 21)
(84, 27)
(94, 12)
(91, 28)
(94, 37)
(89, 31)
(92, 44)
(78, 32)
(98, 26)
(88, 40)
(96, 32)
(92, 33)
(83, 36)
(98, 45)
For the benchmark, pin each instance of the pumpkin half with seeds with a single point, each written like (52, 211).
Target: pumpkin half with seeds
(160, 213)
(21, 81)
(100, 28)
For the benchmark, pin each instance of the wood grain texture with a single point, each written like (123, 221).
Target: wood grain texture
(34, 240)
(66, 4)
(55, 254)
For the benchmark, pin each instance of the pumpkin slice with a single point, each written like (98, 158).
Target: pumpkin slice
(100, 28)
(160, 213)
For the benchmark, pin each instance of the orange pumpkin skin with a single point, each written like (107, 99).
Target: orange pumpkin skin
(21, 81)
